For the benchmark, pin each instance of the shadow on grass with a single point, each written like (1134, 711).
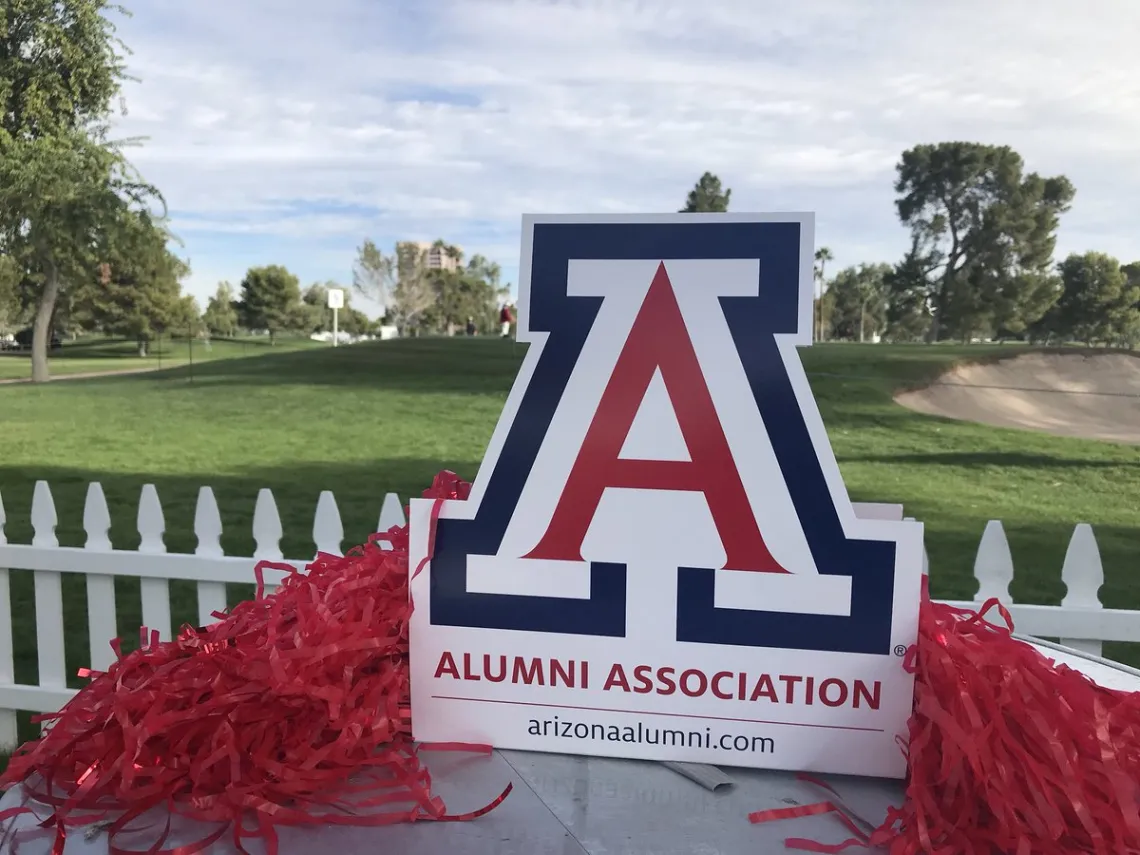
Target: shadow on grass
(1006, 459)
(96, 347)
(481, 365)
(841, 376)
(414, 365)
(109, 349)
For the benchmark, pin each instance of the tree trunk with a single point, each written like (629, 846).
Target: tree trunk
(41, 328)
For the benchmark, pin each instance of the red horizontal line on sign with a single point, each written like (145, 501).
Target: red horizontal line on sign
(665, 714)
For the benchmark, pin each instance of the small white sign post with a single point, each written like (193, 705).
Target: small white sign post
(336, 303)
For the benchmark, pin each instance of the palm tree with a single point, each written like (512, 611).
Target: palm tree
(822, 256)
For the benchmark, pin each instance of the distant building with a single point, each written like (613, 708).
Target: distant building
(436, 257)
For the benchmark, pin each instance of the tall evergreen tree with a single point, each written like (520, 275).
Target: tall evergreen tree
(858, 302)
(707, 196)
(983, 235)
(221, 316)
(1098, 303)
(271, 301)
(138, 289)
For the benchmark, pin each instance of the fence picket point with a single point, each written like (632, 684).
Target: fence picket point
(44, 519)
(1083, 575)
(391, 514)
(993, 566)
(1083, 572)
(102, 623)
(328, 529)
(48, 594)
(155, 592)
(208, 530)
(267, 530)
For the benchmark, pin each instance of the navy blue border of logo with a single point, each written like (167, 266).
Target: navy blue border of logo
(753, 322)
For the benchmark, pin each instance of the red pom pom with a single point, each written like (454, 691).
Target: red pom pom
(448, 485)
(278, 709)
(1008, 752)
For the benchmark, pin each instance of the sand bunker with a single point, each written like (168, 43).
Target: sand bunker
(1095, 396)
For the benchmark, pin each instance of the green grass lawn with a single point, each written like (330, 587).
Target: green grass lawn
(98, 354)
(386, 416)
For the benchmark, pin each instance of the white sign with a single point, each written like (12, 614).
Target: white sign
(658, 558)
(336, 298)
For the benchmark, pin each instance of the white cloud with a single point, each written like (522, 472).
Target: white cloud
(282, 131)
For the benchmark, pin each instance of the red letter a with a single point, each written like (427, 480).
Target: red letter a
(657, 340)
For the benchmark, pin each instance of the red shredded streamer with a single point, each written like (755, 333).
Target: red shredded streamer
(1008, 752)
(293, 709)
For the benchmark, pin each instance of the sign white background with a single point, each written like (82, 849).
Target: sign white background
(654, 532)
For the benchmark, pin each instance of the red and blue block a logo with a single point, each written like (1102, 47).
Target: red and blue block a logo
(660, 469)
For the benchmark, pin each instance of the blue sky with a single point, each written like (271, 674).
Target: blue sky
(287, 132)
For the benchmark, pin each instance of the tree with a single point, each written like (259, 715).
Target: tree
(138, 289)
(1098, 303)
(858, 302)
(486, 270)
(450, 250)
(315, 305)
(11, 308)
(221, 315)
(399, 283)
(413, 292)
(186, 317)
(468, 292)
(271, 300)
(318, 315)
(1130, 324)
(822, 256)
(354, 322)
(1132, 272)
(487, 316)
(908, 310)
(707, 196)
(64, 186)
(982, 234)
(374, 274)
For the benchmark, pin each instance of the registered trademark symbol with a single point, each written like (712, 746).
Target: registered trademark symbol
(900, 650)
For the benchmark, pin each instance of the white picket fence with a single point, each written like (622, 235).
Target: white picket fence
(1080, 621)
(151, 564)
